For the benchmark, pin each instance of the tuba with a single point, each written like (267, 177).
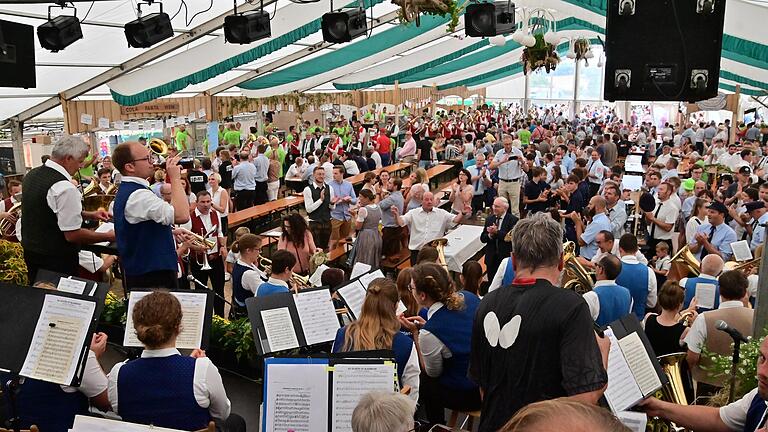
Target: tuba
(575, 276)
(91, 189)
(439, 244)
(683, 263)
(673, 391)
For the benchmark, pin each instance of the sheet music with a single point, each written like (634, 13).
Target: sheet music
(193, 314)
(622, 391)
(400, 308)
(368, 278)
(741, 250)
(636, 421)
(359, 269)
(315, 278)
(279, 328)
(70, 285)
(297, 398)
(350, 383)
(354, 296)
(58, 339)
(317, 315)
(632, 182)
(705, 295)
(96, 424)
(640, 363)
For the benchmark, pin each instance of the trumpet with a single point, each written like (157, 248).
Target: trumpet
(298, 281)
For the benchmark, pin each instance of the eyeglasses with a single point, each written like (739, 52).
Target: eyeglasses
(148, 158)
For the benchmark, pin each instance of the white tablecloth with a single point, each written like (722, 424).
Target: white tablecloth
(463, 243)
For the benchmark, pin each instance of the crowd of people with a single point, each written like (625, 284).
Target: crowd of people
(507, 341)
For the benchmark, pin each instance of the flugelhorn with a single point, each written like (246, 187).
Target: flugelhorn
(158, 147)
(298, 280)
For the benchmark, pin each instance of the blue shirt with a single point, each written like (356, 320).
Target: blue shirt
(758, 234)
(568, 163)
(244, 176)
(688, 206)
(599, 223)
(341, 190)
(262, 166)
(721, 239)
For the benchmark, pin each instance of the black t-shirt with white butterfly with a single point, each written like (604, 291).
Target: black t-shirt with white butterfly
(532, 342)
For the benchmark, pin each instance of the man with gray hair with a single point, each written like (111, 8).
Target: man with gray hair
(383, 412)
(532, 340)
(52, 212)
(512, 167)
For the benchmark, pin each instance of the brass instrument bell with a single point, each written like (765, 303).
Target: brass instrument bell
(575, 276)
(439, 244)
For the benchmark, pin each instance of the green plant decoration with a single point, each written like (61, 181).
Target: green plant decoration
(301, 102)
(581, 48)
(411, 9)
(13, 269)
(235, 336)
(746, 372)
(542, 54)
(115, 310)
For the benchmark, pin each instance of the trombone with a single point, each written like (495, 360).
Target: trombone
(298, 281)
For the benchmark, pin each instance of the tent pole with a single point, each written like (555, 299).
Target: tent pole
(17, 137)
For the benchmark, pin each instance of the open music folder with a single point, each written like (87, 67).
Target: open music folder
(320, 394)
(353, 293)
(196, 309)
(286, 321)
(46, 334)
(633, 371)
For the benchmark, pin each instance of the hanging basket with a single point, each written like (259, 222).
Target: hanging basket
(410, 11)
(581, 48)
(541, 55)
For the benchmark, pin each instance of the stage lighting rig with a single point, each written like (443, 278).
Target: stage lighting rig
(489, 19)
(59, 32)
(150, 29)
(245, 28)
(344, 25)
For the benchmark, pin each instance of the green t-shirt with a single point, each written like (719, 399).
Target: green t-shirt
(232, 137)
(525, 136)
(87, 171)
(181, 140)
(280, 157)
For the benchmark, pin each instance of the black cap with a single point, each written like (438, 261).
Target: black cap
(718, 206)
(745, 170)
(754, 205)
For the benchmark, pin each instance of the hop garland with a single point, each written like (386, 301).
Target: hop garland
(13, 269)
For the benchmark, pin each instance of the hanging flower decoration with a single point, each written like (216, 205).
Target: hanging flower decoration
(539, 36)
(410, 10)
(580, 49)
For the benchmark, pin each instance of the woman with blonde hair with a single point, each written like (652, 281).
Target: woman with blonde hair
(219, 200)
(404, 289)
(378, 328)
(443, 340)
(273, 176)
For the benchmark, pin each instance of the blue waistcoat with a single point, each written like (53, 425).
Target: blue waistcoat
(240, 293)
(690, 291)
(267, 288)
(509, 273)
(146, 246)
(614, 303)
(402, 345)
(46, 405)
(159, 391)
(454, 329)
(754, 414)
(634, 277)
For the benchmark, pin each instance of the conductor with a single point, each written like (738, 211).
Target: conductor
(143, 221)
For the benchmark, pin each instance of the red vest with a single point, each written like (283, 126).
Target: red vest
(199, 228)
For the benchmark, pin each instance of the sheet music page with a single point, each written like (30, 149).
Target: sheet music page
(58, 339)
(69, 285)
(317, 315)
(622, 391)
(354, 296)
(95, 424)
(639, 363)
(367, 278)
(632, 182)
(297, 398)
(315, 278)
(279, 328)
(741, 251)
(705, 295)
(359, 269)
(400, 308)
(350, 383)
(636, 421)
(193, 314)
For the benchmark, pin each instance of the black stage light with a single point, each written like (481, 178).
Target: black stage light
(246, 28)
(59, 33)
(148, 30)
(489, 19)
(343, 26)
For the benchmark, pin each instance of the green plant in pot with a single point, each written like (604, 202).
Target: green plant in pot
(541, 55)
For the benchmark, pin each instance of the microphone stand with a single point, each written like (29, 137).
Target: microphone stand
(192, 278)
(734, 364)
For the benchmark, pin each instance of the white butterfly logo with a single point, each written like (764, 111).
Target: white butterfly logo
(502, 336)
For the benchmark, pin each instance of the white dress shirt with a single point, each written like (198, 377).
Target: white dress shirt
(252, 278)
(593, 301)
(734, 415)
(652, 289)
(208, 225)
(309, 204)
(65, 200)
(350, 166)
(94, 381)
(498, 278)
(426, 226)
(668, 214)
(296, 172)
(697, 336)
(433, 350)
(207, 385)
(143, 205)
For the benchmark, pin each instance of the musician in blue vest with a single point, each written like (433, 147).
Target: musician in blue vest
(378, 328)
(52, 212)
(282, 270)
(53, 407)
(443, 341)
(608, 301)
(162, 387)
(711, 267)
(636, 277)
(246, 275)
(747, 414)
(143, 221)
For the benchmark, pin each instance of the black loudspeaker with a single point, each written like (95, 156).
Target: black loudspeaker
(148, 30)
(246, 28)
(663, 50)
(489, 19)
(343, 26)
(17, 55)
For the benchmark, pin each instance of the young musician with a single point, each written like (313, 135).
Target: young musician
(162, 387)
(282, 266)
(206, 223)
(443, 340)
(377, 328)
(246, 276)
